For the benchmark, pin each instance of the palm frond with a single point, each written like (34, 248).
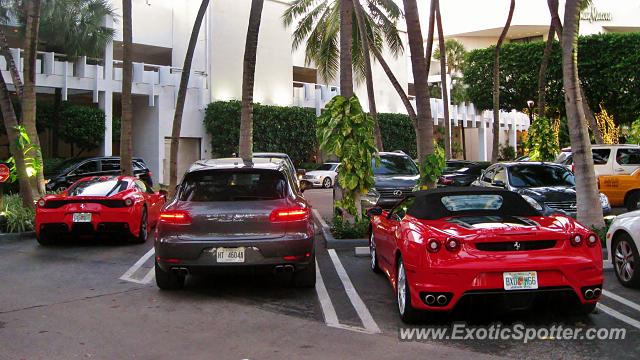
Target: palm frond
(393, 11)
(389, 29)
(306, 24)
(296, 9)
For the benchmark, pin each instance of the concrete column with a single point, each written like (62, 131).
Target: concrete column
(108, 55)
(513, 134)
(482, 138)
(105, 102)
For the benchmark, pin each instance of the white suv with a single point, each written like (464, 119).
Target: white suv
(608, 159)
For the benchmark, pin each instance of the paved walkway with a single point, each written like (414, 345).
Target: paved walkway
(321, 200)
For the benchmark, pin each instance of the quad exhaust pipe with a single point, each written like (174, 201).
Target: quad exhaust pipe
(588, 294)
(436, 299)
(430, 299)
(442, 299)
(284, 268)
(597, 292)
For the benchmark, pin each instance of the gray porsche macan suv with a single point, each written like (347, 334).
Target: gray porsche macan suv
(227, 213)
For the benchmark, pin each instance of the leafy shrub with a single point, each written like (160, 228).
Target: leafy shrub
(507, 153)
(607, 65)
(542, 141)
(17, 218)
(287, 129)
(398, 133)
(82, 126)
(634, 133)
(342, 229)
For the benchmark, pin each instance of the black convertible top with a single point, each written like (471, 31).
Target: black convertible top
(428, 204)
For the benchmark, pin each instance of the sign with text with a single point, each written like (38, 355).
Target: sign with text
(4, 173)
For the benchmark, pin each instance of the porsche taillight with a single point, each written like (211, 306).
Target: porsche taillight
(289, 214)
(175, 217)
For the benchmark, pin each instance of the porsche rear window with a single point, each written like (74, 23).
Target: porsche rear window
(97, 188)
(455, 203)
(233, 186)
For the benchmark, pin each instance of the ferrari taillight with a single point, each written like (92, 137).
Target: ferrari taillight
(289, 214)
(42, 203)
(576, 240)
(592, 240)
(433, 245)
(175, 217)
(128, 202)
(452, 244)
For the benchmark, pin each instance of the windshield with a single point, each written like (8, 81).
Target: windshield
(62, 166)
(395, 165)
(233, 186)
(540, 176)
(98, 188)
(326, 167)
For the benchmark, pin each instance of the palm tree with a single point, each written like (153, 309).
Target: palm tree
(443, 82)
(589, 209)
(346, 45)
(126, 165)
(496, 85)
(455, 55)
(248, 76)
(11, 124)
(420, 68)
(182, 94)
(362, 31)
(542, 73)
(28, 106)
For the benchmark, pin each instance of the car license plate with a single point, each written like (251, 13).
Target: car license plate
(81, 217)
(230, 255)
(523, 280)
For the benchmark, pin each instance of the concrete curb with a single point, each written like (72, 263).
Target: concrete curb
(330, 240)
(17, 236)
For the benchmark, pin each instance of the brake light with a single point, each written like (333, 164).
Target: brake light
(128, 202)
(175, 217)
(452, 244)
(592, 240)
(289, 214)
(433, 245)
(41, 203)
(576, 240)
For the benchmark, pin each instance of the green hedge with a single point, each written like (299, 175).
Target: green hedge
(291, 130)
(607, 63)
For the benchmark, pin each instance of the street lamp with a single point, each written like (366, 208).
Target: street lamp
(530, 107)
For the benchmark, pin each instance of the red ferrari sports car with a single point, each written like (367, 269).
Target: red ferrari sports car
(441, 246)
(99, 205)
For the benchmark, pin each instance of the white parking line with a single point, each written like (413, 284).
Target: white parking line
(363, 313)
(620, 316)
(329, 312)
(127, 276)
(621, 300)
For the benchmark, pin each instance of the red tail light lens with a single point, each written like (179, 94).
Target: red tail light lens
(175, 217)
(452, 244)
(289, 214)
(592, 240)
(576, 240)
(41, 203)
(128, 202)
(433, 245)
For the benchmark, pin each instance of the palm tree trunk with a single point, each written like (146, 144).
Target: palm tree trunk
(11, 65)
(542, 74)
(346, 40)
(589, 209)
(126, 166)
(443, 82)
(424, 123)
(248, 77)
(496, 85)
(29, 78)
(10, 124)
(590, 118)
(369, 75)
(182, 94)
(399, 89)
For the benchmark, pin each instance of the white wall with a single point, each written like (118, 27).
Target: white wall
(152, 24)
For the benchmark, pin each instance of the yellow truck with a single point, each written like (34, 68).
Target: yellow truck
(622, 190)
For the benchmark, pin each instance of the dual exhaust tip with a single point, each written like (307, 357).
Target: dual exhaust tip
(284, 268)
(592, 293)
(436, 299)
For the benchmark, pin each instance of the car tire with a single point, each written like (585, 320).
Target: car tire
(625, 259)
(408, 314)
(305, 278)
(143, 232)
(374, 255)
(633, 201)
(326, 183)
(44, 240)
(168, 280)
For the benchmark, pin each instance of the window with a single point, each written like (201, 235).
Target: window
(98, 188)
(540, 176)
(628, 157)
(220, 185)
(143, 187)
(486, 177)
(501, 175)
(327, 167)
(601, 156)
(400, 210)
(472, 202)
(395, 165)
(88, 167)
(527, 39)
(110, 165)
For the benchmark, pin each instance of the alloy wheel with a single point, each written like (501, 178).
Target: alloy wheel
(326, 183)
(372, 252)
(624, 260)
(402, 288)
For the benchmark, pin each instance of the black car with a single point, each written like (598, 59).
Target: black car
(548, 187)
(395, 177)
(69, 171)
(461, 172)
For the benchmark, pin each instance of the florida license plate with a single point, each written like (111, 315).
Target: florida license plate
(81, 217)
(230, 255)
(523, 280)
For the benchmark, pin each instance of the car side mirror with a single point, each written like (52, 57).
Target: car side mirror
(498, 183)
(374, 211)
(304, 185)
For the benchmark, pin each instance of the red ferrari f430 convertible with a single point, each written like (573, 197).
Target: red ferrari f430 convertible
(110, 205)
(438, 247)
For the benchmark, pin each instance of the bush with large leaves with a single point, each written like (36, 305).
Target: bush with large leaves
(345, 130)
(542, 141)
(82, 126)
(608, 66)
